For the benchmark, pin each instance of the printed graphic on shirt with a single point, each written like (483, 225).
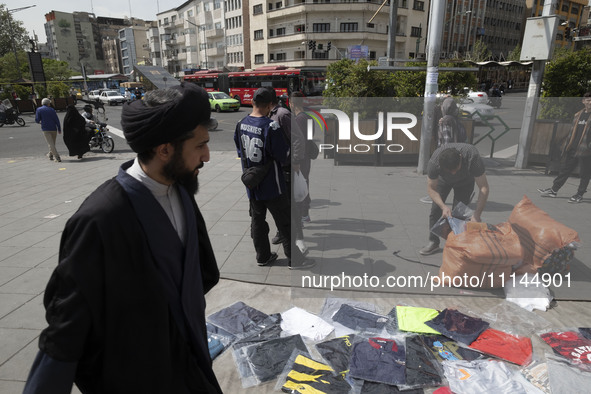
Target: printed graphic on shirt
(337, 352)
(447, 349)
(570, 344)
(309, 376)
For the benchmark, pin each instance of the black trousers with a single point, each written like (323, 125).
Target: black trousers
(259, 229)
(462, 193)
(567, 166)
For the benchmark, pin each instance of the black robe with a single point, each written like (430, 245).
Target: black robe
(75, 135)
(109, 307)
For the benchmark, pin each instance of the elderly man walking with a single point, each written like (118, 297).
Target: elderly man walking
(50, 125)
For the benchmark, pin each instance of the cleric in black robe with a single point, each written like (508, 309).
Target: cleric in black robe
(75, 135)
(126, 303)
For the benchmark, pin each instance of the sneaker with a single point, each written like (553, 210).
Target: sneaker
(306, 219)
(302, 246)
(271, 259)
(575, 199)
(50, 155)
(58, 160)
(426, 200)
(547, 192)
(277, 239)
(431, 248)
(307, 263)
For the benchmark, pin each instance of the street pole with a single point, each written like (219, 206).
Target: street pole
(433, 51)
(531, 104)
(18, 65)
(391, 50)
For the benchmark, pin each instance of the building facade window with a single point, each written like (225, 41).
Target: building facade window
(281, 31)
(349, 27)
(299, 28)
(321, 27)
(415, 31)
(257, 9)
(258, 34)
(418, 5)
(258, 59)
(217, 4)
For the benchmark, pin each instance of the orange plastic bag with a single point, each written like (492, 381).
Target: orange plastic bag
(541, 236)
(483, 258)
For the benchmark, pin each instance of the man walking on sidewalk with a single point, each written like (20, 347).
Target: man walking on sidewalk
(260, 143)
(454, 166)
(50, 125)
(126, 303)
(576, 151)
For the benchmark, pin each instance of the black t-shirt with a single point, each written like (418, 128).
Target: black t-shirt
(580, 127)
(472, 164)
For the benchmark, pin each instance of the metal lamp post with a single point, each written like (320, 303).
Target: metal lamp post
(18, 65)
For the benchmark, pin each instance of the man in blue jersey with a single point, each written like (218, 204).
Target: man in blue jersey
(262, 141)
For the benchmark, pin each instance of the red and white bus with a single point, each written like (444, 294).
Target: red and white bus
(241, 85)
(210, 80)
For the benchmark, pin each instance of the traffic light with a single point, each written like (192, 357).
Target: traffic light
(328, 45)
(311, 45)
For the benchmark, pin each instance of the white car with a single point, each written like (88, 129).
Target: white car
(476, 111)
(478, 97)
(93, 95)
(111, 97)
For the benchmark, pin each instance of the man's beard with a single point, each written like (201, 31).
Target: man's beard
(176, 171)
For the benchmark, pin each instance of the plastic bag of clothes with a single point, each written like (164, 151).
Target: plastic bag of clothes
(460, 216)
(480, 258)
(547, 244)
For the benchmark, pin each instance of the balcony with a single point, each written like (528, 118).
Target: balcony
(332, 7)
(214, 33)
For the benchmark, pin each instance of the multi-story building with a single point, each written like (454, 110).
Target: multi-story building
(571, 18)
(134, 44)
(499, 24)
(75, 38)
(318, 32)
(112, 52)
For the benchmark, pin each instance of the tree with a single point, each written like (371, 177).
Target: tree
(566, 78)
(515, 54)
(480, 52)
(8, 70)
(19, 35)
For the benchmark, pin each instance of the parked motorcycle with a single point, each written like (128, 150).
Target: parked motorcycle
(100, 139)
(11, 117)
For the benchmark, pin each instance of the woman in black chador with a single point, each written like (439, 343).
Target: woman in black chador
(75, 135)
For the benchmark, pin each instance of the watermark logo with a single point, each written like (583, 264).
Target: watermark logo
(388, 122)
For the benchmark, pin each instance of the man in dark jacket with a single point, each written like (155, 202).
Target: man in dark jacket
(576, 151)
(126, 303)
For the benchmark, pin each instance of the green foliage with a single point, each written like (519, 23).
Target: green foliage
(58, 89)
(453, 82)
(515, 54)
(11, 32)
(56, 70)
(480, 52)
(41, 90)
(8, 70)
(349, 79)
(568, 74)
(22, 91)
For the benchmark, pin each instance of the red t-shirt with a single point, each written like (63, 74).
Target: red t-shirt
(569, 344)
(505, 346)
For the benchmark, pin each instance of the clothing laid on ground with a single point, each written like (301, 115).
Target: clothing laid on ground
(585, 331)
(359, 319)
(458, 326)
(485, 376)
(298, 321)
(378, 360)
(268, 359)
(110, 255)
(570, 345)
(421, 365)
(383, 388)
(310, 376)
(337, 352)
(567, 379)
(75, 135)
(505, 346)
(413, 319)
(444, 348)
(265, 333)
(217, 337)
(537, 374)
(238, 318)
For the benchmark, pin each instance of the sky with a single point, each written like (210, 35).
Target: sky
(34, 18)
